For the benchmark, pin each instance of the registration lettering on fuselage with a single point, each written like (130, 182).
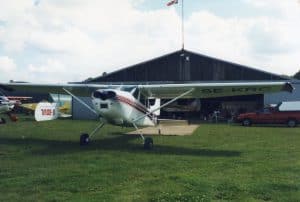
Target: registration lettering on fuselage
(235, 90)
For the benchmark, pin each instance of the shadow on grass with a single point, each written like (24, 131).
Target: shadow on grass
(123, 143)
(261, 125)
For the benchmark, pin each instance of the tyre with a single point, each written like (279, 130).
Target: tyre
(2, 121)
(246, 122)
(84, 139)
(148, 143)
(291, 123)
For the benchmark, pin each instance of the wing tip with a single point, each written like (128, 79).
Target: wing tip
(288, 87)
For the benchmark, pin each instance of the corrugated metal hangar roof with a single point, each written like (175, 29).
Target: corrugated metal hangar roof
(185, 65)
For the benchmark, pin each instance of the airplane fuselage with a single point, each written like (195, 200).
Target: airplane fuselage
(121, 108)
(5, 105)
(4, 108)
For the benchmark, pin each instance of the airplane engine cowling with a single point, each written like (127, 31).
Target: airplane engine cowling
(104, 94)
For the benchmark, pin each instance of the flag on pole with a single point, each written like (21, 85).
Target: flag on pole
(170, 3)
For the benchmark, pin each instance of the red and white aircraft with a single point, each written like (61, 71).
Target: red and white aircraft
(120, 104)
(7, 103)
(5, 107)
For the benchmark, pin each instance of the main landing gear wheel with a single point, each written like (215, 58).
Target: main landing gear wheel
(148, 143)
(292, 123)
(2, 121)
(84, 139)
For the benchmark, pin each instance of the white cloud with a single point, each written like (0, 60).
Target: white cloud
(71, 40)
(7, 68)
(218, 37)
(6, 64)
(266, 42)
(51, 66)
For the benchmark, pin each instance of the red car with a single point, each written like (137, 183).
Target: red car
(270, 116)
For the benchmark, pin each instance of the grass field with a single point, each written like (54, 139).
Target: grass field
(44, 162)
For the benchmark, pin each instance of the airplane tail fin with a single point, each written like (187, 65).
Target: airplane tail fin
(46, 111)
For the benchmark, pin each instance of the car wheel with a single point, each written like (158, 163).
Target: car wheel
(291, 123)
(246, 122)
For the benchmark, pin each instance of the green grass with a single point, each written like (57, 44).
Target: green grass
(44, 162)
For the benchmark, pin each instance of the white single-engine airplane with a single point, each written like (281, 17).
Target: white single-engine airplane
(120, 104)
(7, 105)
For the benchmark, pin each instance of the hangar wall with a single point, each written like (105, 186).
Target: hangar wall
(186, 66)
(275, 98)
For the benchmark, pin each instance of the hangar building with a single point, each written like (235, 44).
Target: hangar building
(186, 66)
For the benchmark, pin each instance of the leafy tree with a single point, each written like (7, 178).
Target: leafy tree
(297, 75)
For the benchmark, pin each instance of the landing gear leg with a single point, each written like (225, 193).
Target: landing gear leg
(148, 141)
(85, 138)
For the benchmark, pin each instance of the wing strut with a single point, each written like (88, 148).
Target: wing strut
(80, 101)
(97, 129)
(166, 104)
(142, 136)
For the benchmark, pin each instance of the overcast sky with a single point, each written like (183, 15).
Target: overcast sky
(71, 40)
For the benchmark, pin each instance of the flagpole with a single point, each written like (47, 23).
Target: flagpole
(182, 24)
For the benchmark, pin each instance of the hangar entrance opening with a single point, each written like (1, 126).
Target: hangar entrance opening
(225, 107)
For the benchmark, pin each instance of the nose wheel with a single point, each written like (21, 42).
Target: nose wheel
(85, 138)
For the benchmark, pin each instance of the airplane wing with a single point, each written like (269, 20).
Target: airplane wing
(165, 91)
(29, 106)
(211, 90)
(79, 89)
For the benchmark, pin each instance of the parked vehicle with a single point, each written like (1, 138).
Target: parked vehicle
(284, 113)
(289, 106)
